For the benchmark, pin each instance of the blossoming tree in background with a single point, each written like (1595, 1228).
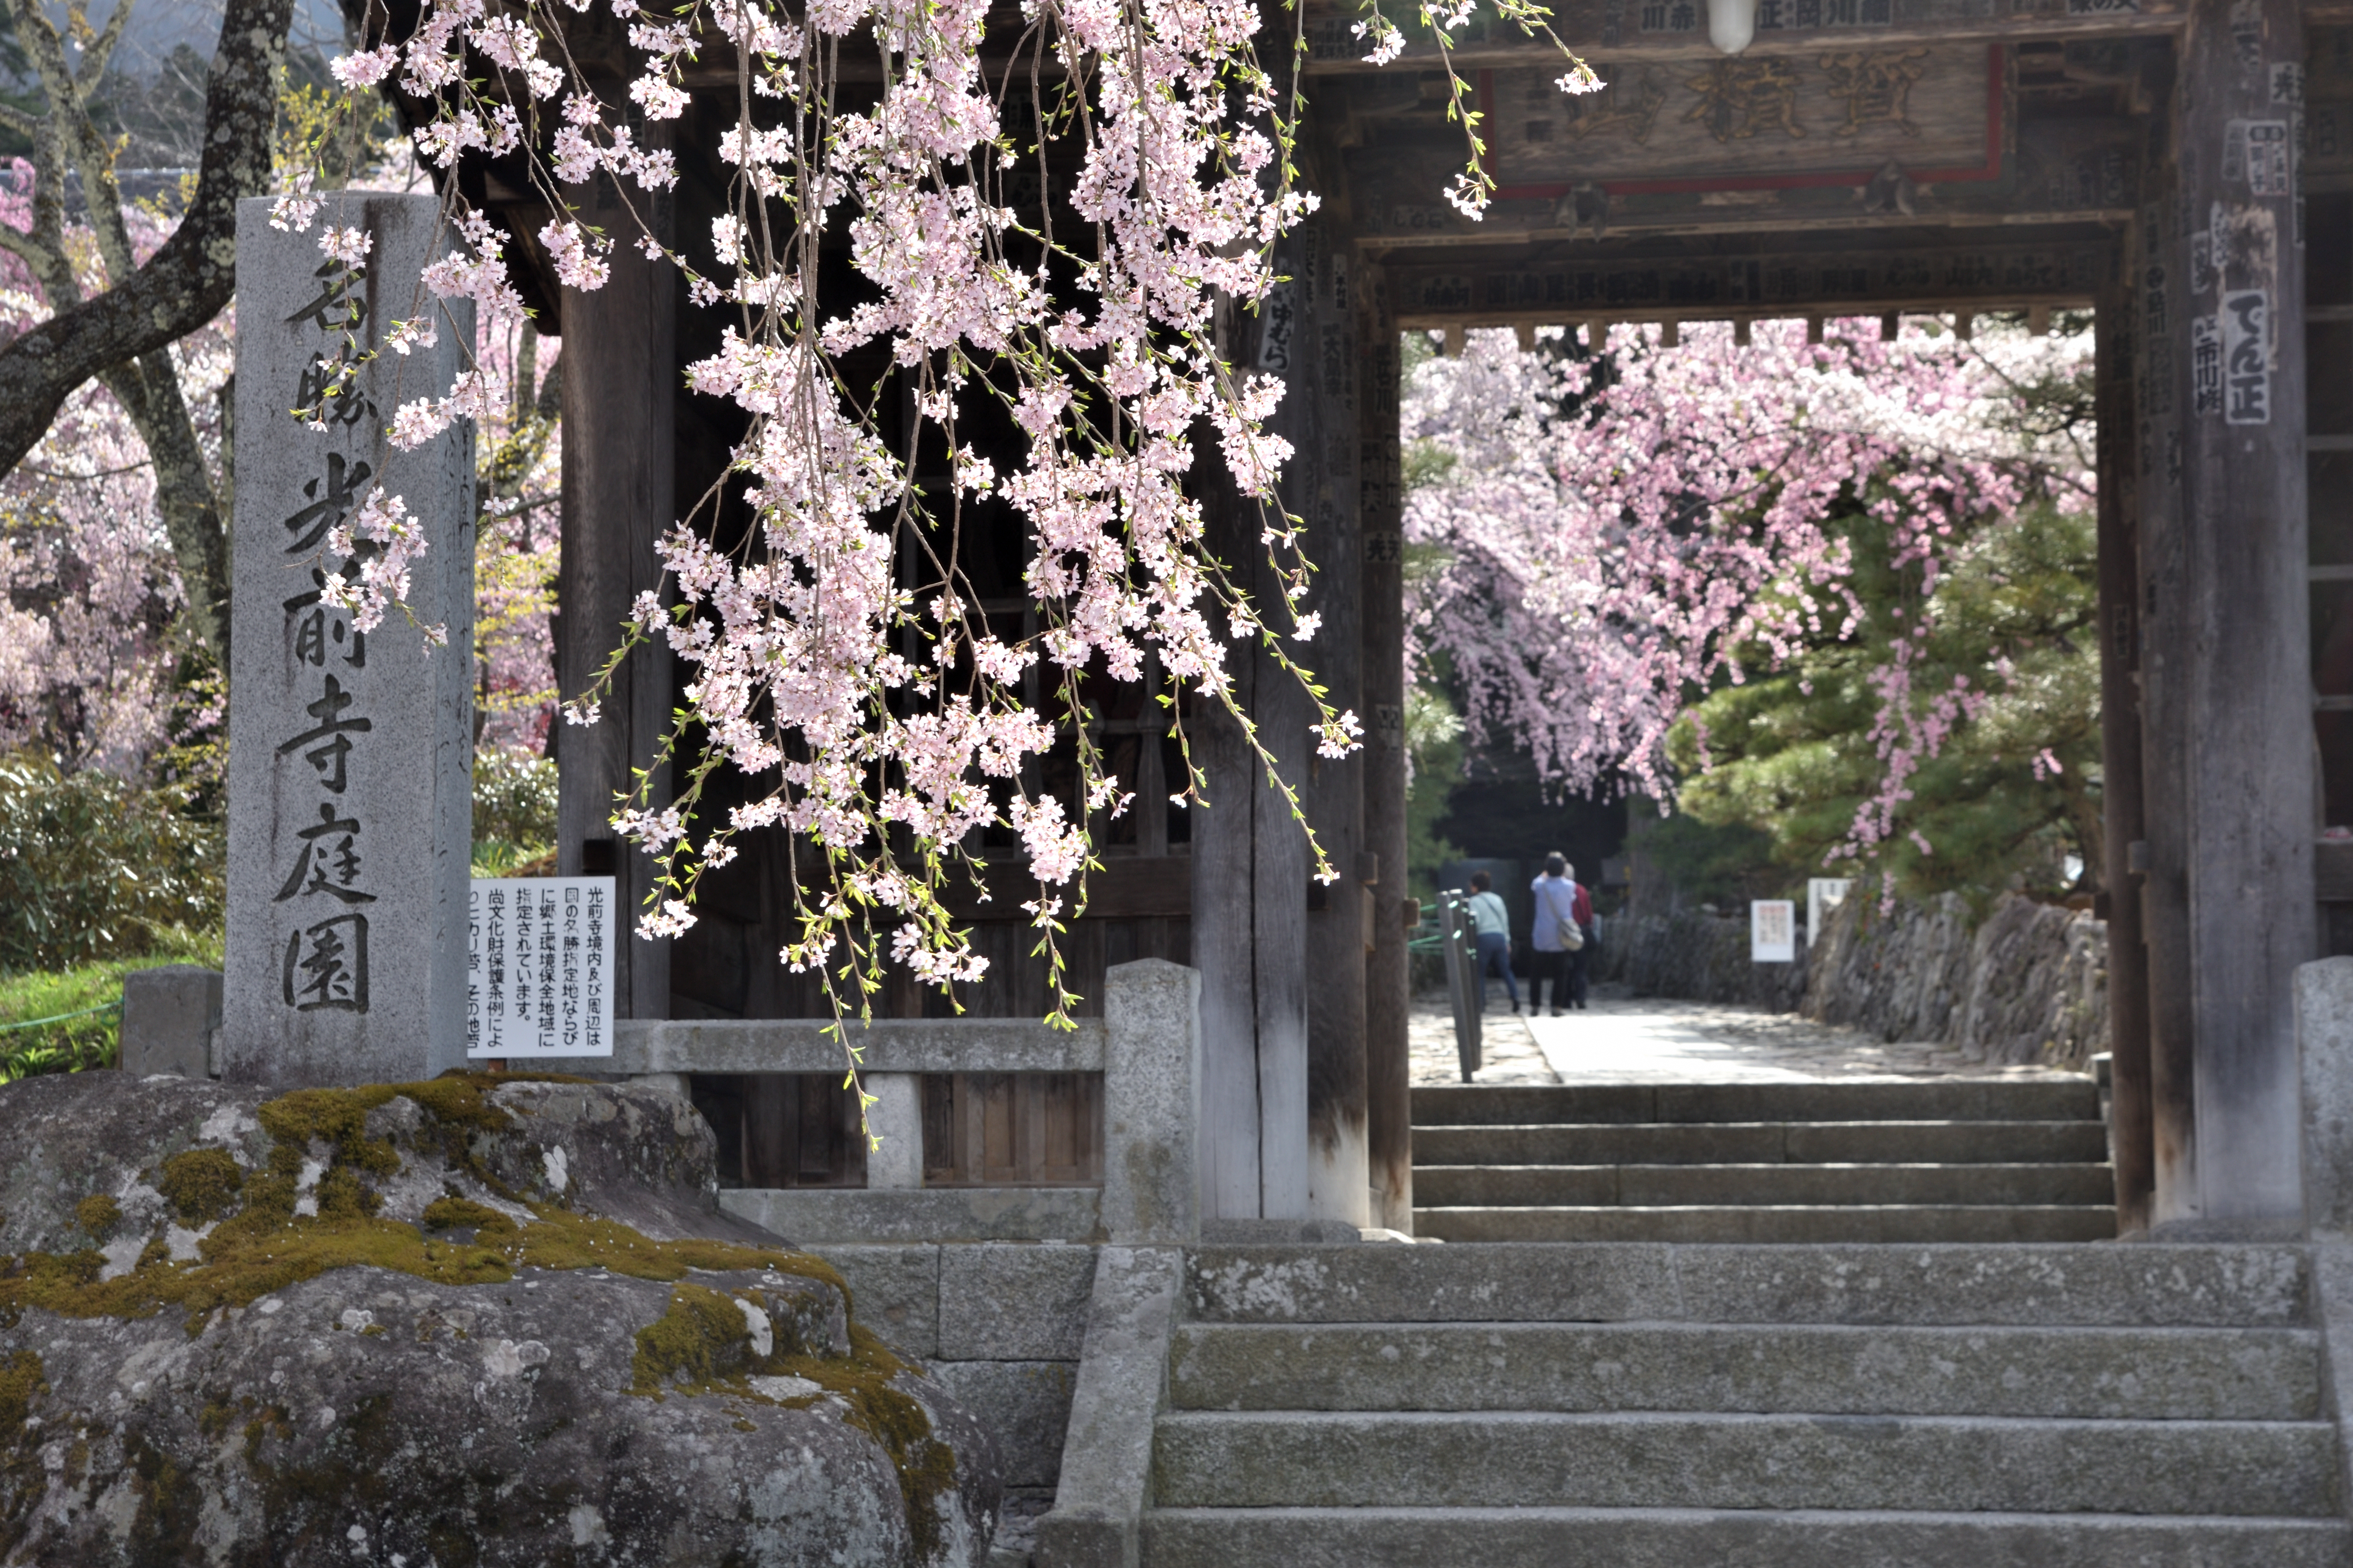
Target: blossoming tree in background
(93, 590)
(1616, 534)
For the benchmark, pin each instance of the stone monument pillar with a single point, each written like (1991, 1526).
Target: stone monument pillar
(350, 753)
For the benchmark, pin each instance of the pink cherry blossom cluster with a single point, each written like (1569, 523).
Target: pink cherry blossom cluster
(1598, 550)
(842, 656)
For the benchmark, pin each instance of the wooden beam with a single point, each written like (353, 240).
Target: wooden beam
(2046, 172)
(2122, 822)
(619, 370)
(2159, 858)
(1590, 28)
(1389, 1068)
(1770, 283)
(1250, 866)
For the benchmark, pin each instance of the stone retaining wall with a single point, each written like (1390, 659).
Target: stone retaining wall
(2028, 983)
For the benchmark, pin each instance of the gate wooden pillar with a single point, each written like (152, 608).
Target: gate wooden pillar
(2120, 747)
(1389, 985)
(1319, 418)
(1251, 878)
(2231, 719)
(619, 370)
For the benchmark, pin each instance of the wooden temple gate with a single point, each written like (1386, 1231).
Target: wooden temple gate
(2184, 168)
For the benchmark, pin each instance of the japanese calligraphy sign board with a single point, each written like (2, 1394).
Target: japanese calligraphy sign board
(1772, 930)
(1847, 108)
(351, 754)
(539, 967)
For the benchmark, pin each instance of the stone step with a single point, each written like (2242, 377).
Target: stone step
(1938, 1099)
(1762, 1142)
(1663, 1538)
(1942, 1464)
(2197, 1375)
(1527, 1186)
(1784, 1223)
(2152, 1283)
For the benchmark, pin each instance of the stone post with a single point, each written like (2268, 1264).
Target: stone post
(1152, 1104)
(351, 754)
(897, 1118)
(171, 1017)
(2324, 1030)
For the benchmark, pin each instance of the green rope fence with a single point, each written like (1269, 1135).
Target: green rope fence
(114, 1006)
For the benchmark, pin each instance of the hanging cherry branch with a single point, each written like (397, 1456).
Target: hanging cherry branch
(1095, 307)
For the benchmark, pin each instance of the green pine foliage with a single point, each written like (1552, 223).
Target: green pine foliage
(1433, 739)
(1789, 753)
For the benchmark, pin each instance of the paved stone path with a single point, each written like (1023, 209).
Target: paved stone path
(1622, 1040)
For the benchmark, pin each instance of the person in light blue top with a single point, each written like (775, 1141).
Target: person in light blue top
(1495, 937)
(1564, 925)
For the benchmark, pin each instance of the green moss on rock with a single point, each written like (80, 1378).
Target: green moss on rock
(202, 1184)
(263, 1239)
(21, 1382)
(98, 1214)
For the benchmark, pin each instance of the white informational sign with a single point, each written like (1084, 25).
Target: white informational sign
(1772, 930)
(539, 967)
(1823, 893)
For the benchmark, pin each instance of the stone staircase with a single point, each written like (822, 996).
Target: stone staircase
(1658, 1406)
(1952, 1160)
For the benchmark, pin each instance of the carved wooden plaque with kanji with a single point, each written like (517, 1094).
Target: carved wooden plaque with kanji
(1852, 108)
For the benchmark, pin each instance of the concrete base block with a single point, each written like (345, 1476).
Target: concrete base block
(169, 1018)
(895, 1291)
(809, 1216)
(670, 1084)
(1026, 1406)
(1278, 1233)
(1014, 1302)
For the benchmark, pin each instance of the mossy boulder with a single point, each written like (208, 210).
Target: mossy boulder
(474, 1321)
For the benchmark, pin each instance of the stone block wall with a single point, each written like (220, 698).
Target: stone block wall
(1001, 1325)
(2026, 984)
(1694, 957)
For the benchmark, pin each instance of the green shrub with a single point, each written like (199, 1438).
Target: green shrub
(93, 868)
(515, 799)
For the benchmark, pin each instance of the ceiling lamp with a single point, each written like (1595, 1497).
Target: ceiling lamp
(1731, 24)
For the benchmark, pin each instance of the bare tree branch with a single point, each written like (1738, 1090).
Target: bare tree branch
(188, 280)
(97, 51)
(144, 380)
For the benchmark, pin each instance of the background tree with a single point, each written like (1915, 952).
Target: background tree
(1624, 530)
(2011, 792)
(149, 303)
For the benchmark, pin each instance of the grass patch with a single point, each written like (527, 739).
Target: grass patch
(88, 1039)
